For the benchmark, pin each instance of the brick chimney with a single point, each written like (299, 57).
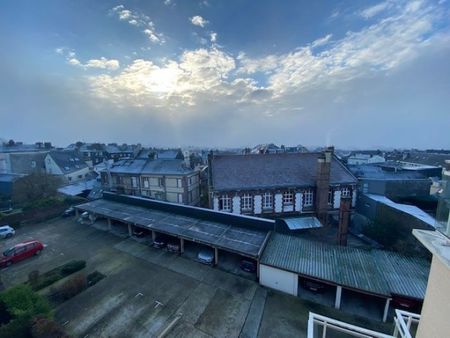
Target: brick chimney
(323, 184)
(344, 219)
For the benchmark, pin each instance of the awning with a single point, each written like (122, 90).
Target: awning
(298, 223)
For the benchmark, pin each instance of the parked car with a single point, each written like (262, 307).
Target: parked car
(6, 231)
(248, 265)
(206, 257)
(20, 251)
(313, 286)
(69, 212)
(138, 233)
(173, 247)
(160, 242)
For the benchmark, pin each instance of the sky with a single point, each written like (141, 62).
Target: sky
(354, 74)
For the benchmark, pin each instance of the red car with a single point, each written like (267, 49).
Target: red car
(20, 251)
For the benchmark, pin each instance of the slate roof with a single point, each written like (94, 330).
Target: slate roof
(262, 171)
(373, 171)
(150, 166)
(420, 157)
(374, 271)
(22, 163)
(67, 161)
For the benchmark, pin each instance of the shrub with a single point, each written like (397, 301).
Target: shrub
(5, 316)
(94, 277)
(73, 287)
(33, 277)
(22, 304)
(72, 267)
(17, 328)
(46, 280)
(46, 328)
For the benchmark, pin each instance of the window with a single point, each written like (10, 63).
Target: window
(330, 197)
(180, 198)
(308, 198)
(267, 201)
(288, 198)
(161, 182)
(134, 182)
(80, 176)
(179, 183)
(247, 202)
(365, 188)
(146, 184)
(33, 164)
(345, 192)
(225, 203)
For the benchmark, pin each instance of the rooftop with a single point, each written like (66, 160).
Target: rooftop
(151, 166)
(227, 235)
(283, 170)
(407, 209)
(373, 271)
(68, 161)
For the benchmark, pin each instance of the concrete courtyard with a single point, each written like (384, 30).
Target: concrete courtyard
(149, 292)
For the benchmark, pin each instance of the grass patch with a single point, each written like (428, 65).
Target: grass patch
(38, 282)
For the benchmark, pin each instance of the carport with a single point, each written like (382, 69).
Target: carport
(357, 275)
(225, 236)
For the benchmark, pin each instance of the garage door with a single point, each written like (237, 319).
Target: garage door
(278, 279)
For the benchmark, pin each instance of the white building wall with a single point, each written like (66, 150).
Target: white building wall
(337, 199)
(51, 167)
(298, 201)
(278, 203)
(236, 205)
(257, 202)
(278, 279)
(216, 203)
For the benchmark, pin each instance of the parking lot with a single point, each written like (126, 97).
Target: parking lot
(152, 292)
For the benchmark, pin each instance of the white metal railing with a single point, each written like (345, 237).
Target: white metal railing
(403, 321)
(330, 325)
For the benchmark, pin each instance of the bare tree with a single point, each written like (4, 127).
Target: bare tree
(34, 187)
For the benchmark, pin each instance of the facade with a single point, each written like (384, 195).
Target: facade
(157, 178)
(279, 184)
(66, 164)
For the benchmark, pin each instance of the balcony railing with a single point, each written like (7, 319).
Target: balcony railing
(404, 321)
(321, 326)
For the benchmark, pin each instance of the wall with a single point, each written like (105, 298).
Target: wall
(278, 279)
(434, 321)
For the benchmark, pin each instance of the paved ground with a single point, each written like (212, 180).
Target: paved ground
(150, 292)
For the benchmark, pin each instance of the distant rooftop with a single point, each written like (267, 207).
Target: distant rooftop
(407, 209)
(376, 171)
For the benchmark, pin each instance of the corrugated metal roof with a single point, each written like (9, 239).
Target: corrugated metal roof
(244, 241)
(297, 223)
(374, 271)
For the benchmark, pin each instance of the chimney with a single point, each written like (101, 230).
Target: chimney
(323, 184)
(344, 220)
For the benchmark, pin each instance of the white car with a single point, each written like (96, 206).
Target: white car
(6, 231)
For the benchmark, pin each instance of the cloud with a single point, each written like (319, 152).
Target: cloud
(321, 41)
(379, 47)
(375, 10)
(168, 2)
(201, 74)
(213, 37)
(103, 63)
(197, 20)
(139, 20)
(275, 85)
